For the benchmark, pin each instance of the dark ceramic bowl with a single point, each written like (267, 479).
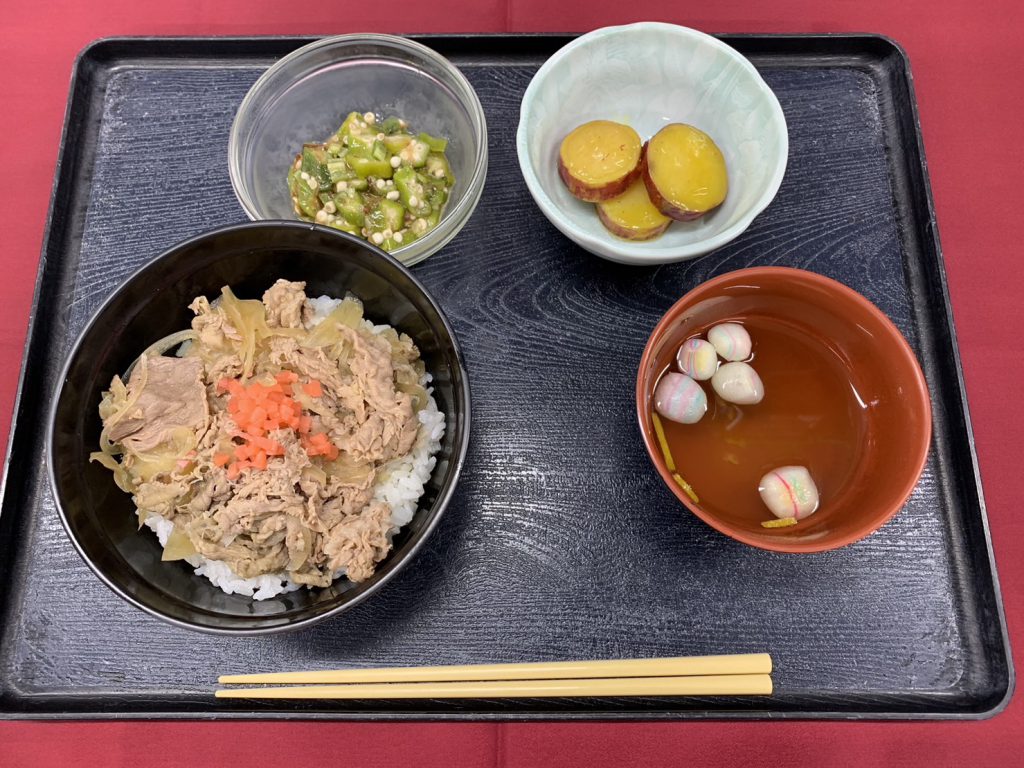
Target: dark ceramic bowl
(100, 518)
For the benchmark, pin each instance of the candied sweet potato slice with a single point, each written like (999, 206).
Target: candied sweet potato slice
(684, 172)
(632, 215)
(599, 160)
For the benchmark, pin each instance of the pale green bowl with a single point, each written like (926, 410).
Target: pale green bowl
(648, 75)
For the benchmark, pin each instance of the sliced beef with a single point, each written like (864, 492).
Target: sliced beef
(224, 366)
(308, 363)
(172, 397)
(286, 304)
(160, 496)
(212, 326)
(246, 559)
(215, 489)
(390, 426)
(359, 542)
(312, 577)
(345, 500)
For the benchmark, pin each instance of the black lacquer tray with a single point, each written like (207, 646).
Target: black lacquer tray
(561, 542)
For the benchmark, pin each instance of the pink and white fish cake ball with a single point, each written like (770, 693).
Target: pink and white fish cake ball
(789, 492)
(680, 398)
(738, 383)
(731, 341)
(697, 359)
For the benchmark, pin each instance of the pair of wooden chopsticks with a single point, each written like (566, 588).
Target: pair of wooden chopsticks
(728, 675)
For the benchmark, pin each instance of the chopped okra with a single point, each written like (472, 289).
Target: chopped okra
(374, 178)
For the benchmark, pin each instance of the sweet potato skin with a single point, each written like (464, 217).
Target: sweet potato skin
(634, 217)
(595, 194)
(630, 234)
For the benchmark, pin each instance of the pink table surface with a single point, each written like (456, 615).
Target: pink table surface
(968, 63)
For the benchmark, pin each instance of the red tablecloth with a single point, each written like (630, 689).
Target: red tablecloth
(967, 61)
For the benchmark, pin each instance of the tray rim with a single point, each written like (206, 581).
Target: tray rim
(95, 51)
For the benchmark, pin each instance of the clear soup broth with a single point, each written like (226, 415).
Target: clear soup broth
(811, 415)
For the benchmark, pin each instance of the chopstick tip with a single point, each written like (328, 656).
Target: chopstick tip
(236, 679)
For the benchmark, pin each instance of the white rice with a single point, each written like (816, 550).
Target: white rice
(322, 307)
(400, 484)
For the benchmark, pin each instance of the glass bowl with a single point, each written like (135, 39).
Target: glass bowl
(305, 96)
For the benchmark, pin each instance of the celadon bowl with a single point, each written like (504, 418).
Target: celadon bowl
(648, 75)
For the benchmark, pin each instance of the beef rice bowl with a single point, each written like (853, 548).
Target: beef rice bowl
(274, 444)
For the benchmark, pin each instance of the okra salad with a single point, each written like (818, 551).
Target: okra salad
(373, 178)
